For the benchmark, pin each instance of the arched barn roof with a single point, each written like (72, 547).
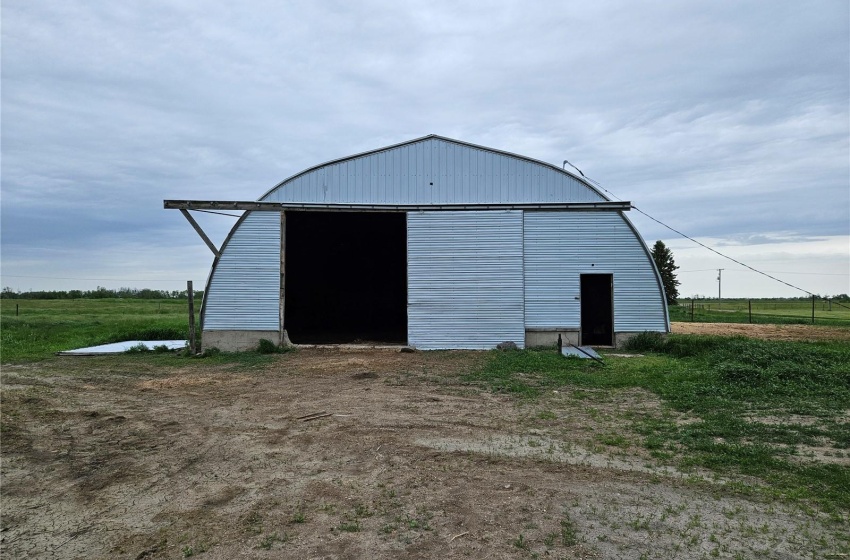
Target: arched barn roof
(491, 246)
(434, 170)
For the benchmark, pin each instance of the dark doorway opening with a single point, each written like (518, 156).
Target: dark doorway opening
(597, 309)
(346, 277)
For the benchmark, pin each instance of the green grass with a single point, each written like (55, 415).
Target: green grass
(763, 311)
(43, 327)
(723, 382)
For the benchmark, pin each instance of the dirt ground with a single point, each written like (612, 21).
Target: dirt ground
(769, 332)
(338, 454)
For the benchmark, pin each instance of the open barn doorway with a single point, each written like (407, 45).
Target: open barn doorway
(597, 309)
(346, 277)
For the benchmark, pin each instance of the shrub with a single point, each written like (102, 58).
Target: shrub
(645, 342)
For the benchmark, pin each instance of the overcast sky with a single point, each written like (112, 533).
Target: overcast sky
(728, 120)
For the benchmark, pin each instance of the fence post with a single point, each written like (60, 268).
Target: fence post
(813, 310)
(750, 307)
(692, 310)
(191, 293)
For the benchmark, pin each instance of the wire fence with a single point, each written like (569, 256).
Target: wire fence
(812, 311)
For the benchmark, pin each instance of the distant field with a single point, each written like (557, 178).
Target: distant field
(763, 311)
(43, 327)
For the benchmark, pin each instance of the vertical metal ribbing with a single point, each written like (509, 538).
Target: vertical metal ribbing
(560, 246)
(465, 279)
(244, 290)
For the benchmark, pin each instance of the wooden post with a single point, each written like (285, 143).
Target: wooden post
(813, 309)
(16, 310)
(191, 292)
(750, 306)
(200, 232)
(284, 340)
(692, 310)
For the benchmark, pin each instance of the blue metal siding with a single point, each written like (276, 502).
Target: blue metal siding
(464, 279)
(434, 171)
(560, 246)
(244, 290)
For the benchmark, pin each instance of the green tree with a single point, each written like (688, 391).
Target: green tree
(663, 258)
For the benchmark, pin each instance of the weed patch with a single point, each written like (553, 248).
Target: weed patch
(724, 382)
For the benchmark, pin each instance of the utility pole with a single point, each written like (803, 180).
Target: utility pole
(719, 275)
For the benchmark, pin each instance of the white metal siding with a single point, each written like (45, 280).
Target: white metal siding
(244, 291)
(464, 279)
(434, 171)
(560, 246)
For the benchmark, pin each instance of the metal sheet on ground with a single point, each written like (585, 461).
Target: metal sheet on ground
(585, 352)
(118, 347)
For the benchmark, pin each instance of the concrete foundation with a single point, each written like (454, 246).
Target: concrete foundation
(548, 338)
(237, 341)
(544, 337)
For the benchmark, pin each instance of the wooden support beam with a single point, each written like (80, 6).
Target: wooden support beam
(263, 206)
(283, 338)
(200, 232)
(191, 292)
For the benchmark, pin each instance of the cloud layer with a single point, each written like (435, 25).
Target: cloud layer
(727, 120)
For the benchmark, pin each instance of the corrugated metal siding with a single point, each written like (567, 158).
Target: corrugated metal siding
(244, 291)
(559, 246)
(464, 279)
(434, 171)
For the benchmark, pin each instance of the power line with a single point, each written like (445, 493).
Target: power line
(736, 261)
(697, 242)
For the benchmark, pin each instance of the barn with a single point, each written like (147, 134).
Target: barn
(432, 243)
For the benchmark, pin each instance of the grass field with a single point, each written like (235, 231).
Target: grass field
(38, 328)
(763, 311)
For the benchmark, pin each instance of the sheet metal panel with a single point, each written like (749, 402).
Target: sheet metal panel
(465, 284)
(560, 246)
(244, 291)
(583, 352)
(434, 171)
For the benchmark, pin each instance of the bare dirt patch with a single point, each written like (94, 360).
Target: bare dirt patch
(351, 454)
(767, 332)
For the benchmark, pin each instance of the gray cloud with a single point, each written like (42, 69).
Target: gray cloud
(726, 119)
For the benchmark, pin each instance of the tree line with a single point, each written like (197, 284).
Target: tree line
(100, 293)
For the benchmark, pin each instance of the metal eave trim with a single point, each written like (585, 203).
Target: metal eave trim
(264, 206)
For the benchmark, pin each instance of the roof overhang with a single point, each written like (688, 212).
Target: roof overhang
(264, 206)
